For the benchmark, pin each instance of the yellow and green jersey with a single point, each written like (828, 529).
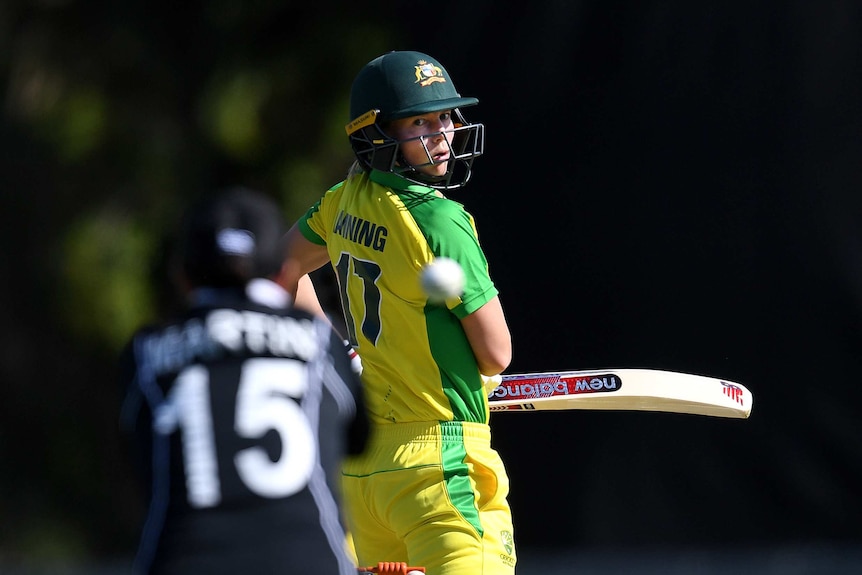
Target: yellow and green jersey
(380, 230)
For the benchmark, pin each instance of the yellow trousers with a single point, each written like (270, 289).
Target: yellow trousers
(432, 494)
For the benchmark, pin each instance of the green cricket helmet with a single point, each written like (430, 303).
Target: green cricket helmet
(403, 84)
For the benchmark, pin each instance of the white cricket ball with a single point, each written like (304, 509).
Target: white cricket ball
(442, 279)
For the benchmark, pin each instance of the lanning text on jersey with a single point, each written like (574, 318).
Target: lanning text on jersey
(360, 231)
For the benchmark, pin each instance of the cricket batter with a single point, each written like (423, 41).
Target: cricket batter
(429, 490)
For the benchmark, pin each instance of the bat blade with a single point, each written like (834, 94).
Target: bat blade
(626, 389)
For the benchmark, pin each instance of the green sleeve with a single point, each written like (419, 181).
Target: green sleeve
(305, 228)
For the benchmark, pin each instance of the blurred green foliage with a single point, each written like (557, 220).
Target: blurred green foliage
(107, 281)
(115, 117)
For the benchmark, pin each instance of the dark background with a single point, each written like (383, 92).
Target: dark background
(673, 185)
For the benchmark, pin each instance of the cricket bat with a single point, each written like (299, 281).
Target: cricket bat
(622, 390)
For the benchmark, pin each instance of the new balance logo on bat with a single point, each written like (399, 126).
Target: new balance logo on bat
(645, 390)
(532, 388)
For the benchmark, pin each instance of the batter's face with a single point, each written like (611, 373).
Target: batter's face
(429, 139)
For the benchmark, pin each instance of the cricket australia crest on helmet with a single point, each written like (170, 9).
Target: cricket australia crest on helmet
(403, 84)
(427, 73)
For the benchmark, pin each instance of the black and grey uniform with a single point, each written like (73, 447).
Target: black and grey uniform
(241, 413)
